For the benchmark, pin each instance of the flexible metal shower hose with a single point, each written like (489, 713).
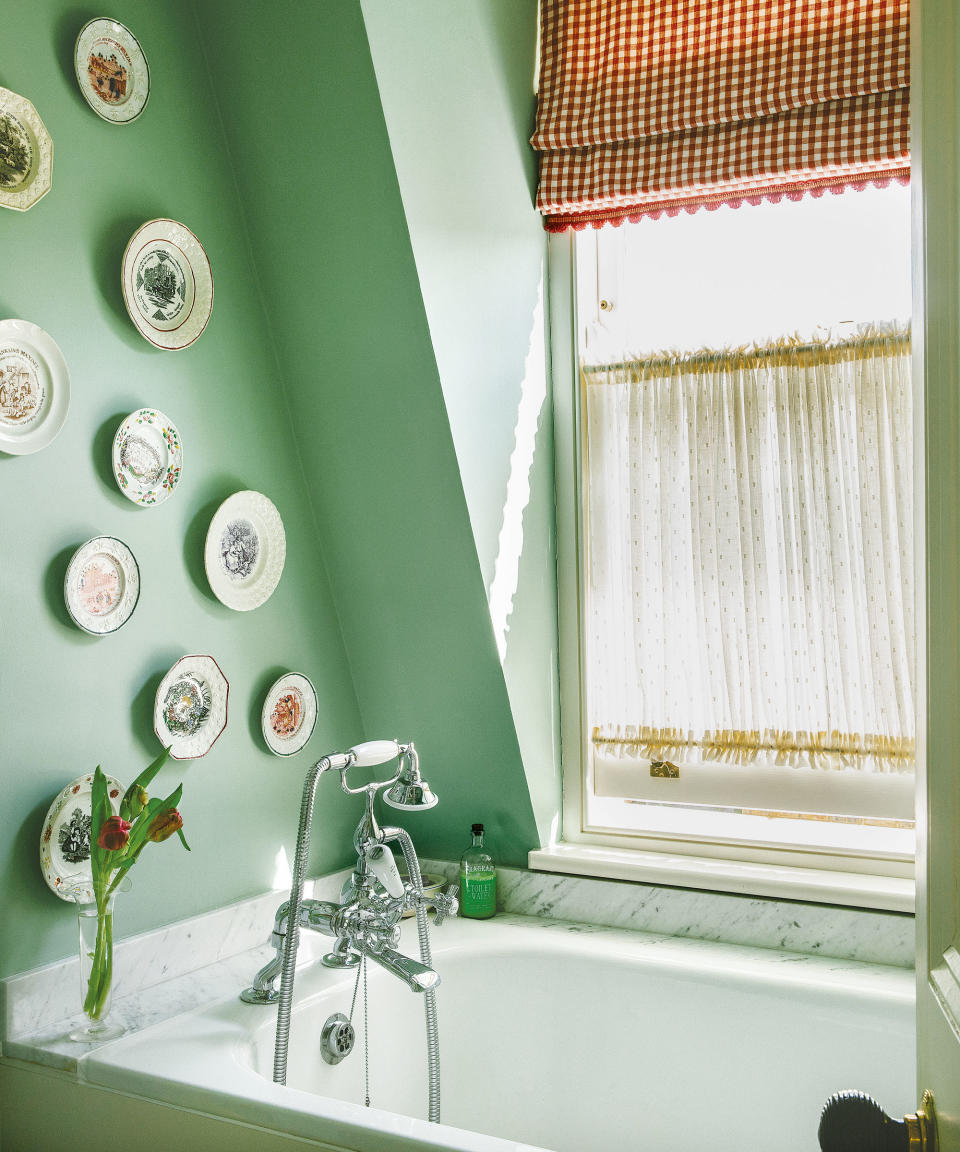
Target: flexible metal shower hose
(293, 922)
(429, 997)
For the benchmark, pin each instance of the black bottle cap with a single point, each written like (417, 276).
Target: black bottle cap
(476, 829)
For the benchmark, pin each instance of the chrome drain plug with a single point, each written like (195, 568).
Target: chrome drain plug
(337, 1038)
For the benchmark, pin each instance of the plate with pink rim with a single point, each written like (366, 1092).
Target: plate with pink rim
(112, 70)
(289, 714)
(147, 457)
(167, 284)
(102, 585)
(34, 388)
(65, 839)
(190, 709)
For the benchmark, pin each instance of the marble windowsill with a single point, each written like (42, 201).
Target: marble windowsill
(183, 966)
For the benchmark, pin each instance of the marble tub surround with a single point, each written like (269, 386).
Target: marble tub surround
(873, 937)
(158, 975)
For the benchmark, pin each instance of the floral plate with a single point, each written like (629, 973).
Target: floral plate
(34, 388)
(289, 714)
(102, 585)
(167, 284)
(190, 709)
(65, 840)
(245, 550)
(26, 153)
(147, 457)
(112, 71)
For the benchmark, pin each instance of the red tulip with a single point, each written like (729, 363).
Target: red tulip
(164, 824)
(114, 834)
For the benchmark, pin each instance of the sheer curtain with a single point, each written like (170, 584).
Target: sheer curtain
(749, 557)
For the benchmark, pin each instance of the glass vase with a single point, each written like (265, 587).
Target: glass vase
(95, 922)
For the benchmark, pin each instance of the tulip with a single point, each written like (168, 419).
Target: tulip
(164, 824)
(134, 801)
(114, 834)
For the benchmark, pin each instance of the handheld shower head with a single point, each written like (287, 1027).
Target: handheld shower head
(411, 793)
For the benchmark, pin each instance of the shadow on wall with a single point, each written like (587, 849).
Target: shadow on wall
(107, 259)
(102, 454)
(65, 40)
(53, 581)
(141, 708)
(195, 537)
(260, 688)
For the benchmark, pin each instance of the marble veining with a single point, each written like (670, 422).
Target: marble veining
(42, 1002)
(869, 936)
(184, 966)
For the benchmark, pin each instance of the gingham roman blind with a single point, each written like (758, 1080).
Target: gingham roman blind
(648, 106)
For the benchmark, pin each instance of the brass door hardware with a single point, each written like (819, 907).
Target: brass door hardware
(855, 1122)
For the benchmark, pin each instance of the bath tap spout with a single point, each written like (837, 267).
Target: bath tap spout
(415, 975)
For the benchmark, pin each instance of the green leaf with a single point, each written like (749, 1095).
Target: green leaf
(183, 839)
(100, 810)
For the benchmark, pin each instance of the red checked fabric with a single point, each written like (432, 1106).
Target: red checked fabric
(648, 106)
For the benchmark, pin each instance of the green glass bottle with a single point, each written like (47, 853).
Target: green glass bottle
(478, 879)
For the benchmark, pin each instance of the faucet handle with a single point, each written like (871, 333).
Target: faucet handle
(446, 904)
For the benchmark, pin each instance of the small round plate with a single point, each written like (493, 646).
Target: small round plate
(112, 71)
(102, 585)
(289, 714)
(167, 284)
(245, 550)
(65, 840)
(26, 153)
(190, 709)
(147, 457)
(34, 388)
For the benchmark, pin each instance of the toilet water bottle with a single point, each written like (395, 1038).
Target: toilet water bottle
(478, 879)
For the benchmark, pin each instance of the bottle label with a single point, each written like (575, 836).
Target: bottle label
(478, 893)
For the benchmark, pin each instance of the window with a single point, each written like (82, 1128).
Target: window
(735, 484)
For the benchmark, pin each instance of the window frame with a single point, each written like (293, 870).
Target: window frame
(874, 879)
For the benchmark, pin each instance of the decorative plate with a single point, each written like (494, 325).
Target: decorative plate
(190, 710)
(245, 550)
(112, 71)
(147, 457)
(289, 714)
(26, 153)
(65, 840)
(102, 585)
(167, 284)
(34, 387)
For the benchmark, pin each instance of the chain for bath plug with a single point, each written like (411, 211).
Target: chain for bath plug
(366, 1043)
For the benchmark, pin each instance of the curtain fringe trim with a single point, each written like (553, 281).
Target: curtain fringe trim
(634, 213)
(872, 341)
(815, 749)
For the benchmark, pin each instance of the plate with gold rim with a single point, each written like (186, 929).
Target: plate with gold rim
(102, 585)
(147, 457)
(112, 70)
(289, 714)
(34, 388)
(65, 839)
(26, 153)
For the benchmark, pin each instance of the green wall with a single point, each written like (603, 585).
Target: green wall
(456, 85)
(68, 700)
(317, 383)
(343, 297)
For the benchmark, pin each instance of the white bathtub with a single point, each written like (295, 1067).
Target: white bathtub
(552, 1036)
